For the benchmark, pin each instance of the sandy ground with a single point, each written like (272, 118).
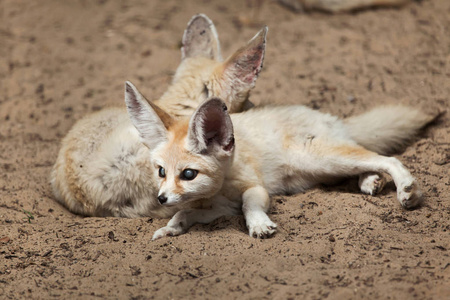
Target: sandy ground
(61, 60)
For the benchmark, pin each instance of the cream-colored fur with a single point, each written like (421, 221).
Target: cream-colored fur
(277, 150)
(104, 169)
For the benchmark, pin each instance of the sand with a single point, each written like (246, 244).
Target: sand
(61, 60)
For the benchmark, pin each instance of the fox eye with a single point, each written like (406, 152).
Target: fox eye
(188, 174)
(162, 172)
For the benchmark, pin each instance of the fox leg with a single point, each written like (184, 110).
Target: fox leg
(184, 219)
(371, 183)
(351, 160)
(256, 203)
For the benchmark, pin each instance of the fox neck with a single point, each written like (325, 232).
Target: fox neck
(197, 79)
(188, 88)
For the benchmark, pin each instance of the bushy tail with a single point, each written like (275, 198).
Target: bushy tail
(389, 129)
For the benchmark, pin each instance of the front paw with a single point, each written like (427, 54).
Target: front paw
(409, 195)
(260, 226)
(167, 231)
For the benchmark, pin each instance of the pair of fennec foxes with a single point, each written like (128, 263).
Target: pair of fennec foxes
(193, 155)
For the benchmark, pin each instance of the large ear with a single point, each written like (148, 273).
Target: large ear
(200, 39)
(242, 68)
(211, 129)
(150, 120)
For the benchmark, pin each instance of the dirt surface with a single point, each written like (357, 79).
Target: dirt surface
(61, 60)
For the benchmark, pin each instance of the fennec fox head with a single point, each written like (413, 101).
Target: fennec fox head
(190, 156)
(203, 74)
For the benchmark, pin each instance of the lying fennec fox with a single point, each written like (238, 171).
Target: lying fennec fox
(103, 169)
(278, 150)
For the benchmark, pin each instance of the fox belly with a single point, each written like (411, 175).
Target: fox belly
(286, 146)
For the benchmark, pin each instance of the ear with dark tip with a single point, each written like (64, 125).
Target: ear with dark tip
(200, 39)
(211, 129)
(243, 67)
(150, 121)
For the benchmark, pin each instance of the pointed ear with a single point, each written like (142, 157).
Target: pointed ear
(150, 120)
(200, 39)
(211, 129)
(242, 68)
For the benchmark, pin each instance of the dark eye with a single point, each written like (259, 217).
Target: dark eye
(162, 172)
(188, 174)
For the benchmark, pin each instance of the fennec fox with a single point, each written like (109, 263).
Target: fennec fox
(278, 150)
(103, 168)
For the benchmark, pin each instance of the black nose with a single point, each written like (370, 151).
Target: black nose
(162, 199)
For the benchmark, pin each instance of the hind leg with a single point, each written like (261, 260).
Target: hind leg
(325, 160)
(371, 183)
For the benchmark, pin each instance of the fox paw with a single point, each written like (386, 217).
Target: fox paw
(371, 183)
(409, 195)
(167, 231)
(260, 226)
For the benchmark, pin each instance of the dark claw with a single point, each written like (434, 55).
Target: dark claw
(408, 189)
